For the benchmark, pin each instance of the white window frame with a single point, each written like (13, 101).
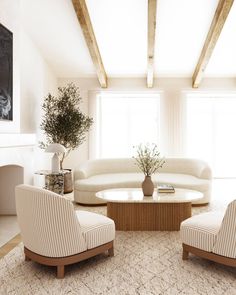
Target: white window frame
(214, 96)
(95, 112)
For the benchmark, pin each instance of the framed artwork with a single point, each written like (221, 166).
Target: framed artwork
(6, 74)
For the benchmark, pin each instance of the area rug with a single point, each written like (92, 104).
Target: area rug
(144, 263)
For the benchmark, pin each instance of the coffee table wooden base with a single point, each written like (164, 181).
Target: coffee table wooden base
(148, 216)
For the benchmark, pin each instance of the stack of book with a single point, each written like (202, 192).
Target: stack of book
(165, 188)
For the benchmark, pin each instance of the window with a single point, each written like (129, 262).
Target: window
(125, 120)
(211, 120)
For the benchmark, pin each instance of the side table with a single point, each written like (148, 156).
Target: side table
(53, 181)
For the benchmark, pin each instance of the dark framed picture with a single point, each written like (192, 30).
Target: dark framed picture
(6, 74)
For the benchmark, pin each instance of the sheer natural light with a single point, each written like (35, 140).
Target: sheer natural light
(125, 120)
(210, 131)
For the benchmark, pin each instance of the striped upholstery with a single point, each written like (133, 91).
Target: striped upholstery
(200, 231)
(97, 229)
(49, 225)
(226, 239)
(212, 232)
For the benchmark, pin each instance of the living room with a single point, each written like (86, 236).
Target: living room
(190, 111)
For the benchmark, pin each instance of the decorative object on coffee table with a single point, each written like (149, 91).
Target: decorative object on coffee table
(148, 186)
(64, 123)
(165, 188)
(148, 160)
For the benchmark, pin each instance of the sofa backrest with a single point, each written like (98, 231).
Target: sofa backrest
(193, 167)
(104, 166)
(226, 238)
(189, 166)
(48, 222)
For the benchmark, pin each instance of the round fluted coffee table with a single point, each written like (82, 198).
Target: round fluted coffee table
(163, 211)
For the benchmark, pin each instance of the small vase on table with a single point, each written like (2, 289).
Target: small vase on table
(148, 161)
(148, 186)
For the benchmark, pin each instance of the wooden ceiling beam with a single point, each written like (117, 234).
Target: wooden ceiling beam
(152, 8)
(87, 28)
(216, 27)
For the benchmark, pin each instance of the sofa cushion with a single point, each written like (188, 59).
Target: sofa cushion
(182, 181)
(200, 230)
(100, 182)
(96, 229)
(112, 180)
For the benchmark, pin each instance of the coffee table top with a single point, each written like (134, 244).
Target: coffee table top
(133, 195)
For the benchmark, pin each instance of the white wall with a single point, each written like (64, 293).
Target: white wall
(36, 80)
(9, 17)
(32, 80)
(173, 92)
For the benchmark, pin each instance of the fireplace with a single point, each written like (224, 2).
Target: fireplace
(10, 176)
(16, 167)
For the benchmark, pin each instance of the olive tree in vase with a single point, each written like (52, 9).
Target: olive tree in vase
(148, 160)
(64, 123)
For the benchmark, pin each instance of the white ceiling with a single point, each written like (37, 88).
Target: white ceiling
(120, 27)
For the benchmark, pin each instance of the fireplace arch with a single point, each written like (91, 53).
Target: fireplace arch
(10, 176)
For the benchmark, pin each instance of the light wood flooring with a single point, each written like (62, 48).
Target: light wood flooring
(10, 245)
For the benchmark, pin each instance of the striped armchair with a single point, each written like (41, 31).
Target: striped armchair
(211, 235)
(55, 234)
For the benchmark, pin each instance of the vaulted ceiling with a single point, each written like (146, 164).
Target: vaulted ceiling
(121, 30)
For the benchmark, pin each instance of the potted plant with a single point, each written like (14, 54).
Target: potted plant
(64, 123)
(149, 161)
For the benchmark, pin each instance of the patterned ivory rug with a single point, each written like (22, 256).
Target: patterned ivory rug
(144, 263)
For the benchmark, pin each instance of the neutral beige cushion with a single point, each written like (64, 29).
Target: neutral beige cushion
(200, 231)
(97, 229)
(99, 182)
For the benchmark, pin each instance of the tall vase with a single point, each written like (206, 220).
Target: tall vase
(147, 186)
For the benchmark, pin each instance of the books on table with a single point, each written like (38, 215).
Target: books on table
(165, 188)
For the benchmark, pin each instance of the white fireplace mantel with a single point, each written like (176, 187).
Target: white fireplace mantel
(18, 149)
(15, 150)
(17, 140)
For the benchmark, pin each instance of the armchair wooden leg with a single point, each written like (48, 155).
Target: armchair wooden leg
(185, 254)
(111, 251)
(60, 271)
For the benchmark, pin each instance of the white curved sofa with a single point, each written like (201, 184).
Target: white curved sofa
(97, 175)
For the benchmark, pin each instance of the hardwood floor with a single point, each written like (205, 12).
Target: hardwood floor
(10, 245)
(8, 228)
